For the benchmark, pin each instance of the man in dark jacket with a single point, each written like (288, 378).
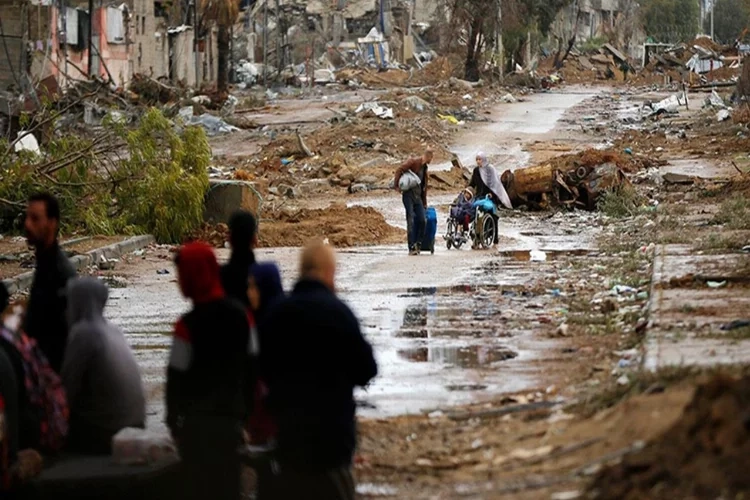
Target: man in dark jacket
(45, 314)
(207, 378)
(312, 360)
(243, 238)
(415, 199)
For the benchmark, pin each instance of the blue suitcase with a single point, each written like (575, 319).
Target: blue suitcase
(430, 230)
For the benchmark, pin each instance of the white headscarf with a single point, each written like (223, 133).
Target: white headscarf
(489, 176)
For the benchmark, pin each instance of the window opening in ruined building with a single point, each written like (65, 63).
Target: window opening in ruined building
(143, 25)
(137, 21)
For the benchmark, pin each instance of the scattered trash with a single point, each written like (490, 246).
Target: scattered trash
(623, 380)
(201, 99)
(376, 109)
(537, 256)
(623, 289)
(212, 124)
(287, 161)
(624, 363)
(139, 253)
(508, 98)
(746, 249)
(106, 264)
(271, 95)
(436, 414)
(715, 100)
(723, 115)
(467, 97)
(162, 271)
(449, 118)
(417, 103)
(716, 284)
(628, 151)
(26, 142)
(476, 444)
(671, 104)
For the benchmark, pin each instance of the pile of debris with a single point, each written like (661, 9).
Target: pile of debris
(703, 455)
(573, 181)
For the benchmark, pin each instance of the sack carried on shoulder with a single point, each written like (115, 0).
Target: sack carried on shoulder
(408, 181)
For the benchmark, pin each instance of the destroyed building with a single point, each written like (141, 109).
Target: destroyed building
(67, 43)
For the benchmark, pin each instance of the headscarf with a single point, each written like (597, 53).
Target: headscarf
(492, 180)
(268, 280)
(199, 273)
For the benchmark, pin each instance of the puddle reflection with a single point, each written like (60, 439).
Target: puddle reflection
(465, 357)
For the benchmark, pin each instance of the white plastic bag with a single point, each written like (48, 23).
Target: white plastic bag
(408, 181)
(133, 446)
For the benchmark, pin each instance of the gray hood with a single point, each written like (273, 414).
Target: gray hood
(86, 300)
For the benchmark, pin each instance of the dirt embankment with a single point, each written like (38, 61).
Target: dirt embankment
(342, 226)
(703, 455)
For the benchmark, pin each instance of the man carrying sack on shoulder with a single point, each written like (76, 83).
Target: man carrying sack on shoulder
(411, 182)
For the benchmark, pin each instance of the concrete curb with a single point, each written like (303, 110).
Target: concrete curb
(23, 281)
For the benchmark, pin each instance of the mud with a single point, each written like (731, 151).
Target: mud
(703, 455)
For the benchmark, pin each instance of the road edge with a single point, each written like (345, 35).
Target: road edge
(23, 281)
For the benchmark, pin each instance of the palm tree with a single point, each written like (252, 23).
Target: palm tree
(224, 13)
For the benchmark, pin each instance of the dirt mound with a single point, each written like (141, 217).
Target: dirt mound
(342, 226)
(703, 455)
(215, 235)
(595, 157)
(706, 43)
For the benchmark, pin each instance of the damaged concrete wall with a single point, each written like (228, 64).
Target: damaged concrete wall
(182, 58)
(150, 46)
(11, 62)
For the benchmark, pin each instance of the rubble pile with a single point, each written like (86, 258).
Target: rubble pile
(573, 180)
(701, 456)
(342, 226)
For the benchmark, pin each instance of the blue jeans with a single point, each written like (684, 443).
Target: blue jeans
(415, 218)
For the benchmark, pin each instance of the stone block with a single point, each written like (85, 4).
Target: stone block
(225, 197)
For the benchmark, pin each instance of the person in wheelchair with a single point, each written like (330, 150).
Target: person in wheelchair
(462, 209)
(486, 182)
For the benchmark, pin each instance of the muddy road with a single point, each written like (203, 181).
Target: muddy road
(450, 328)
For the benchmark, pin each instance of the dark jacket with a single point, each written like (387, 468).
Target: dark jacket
(45, 314)
(420, 168)
(209, 364)
(100, 374)
(234, 276)
(312, 361)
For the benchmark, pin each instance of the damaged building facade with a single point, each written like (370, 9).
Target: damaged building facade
(58, 41)
(290, 34)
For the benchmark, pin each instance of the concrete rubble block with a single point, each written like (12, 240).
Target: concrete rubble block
(417, 103)
(224, 197)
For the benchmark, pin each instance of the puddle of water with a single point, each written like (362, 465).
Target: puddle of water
(474, 356)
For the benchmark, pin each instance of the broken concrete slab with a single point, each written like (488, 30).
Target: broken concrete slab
(225, 197)
(23, 281)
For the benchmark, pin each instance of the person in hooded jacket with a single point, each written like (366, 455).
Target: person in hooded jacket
(100, 373)
(485, 181)
(242, 238)
(208, 391)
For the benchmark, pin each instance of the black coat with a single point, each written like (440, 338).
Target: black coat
(312, 357)
(45, 315)
(210, 363)
(234, 275)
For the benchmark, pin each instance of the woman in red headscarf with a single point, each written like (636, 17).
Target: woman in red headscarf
(208, 384)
